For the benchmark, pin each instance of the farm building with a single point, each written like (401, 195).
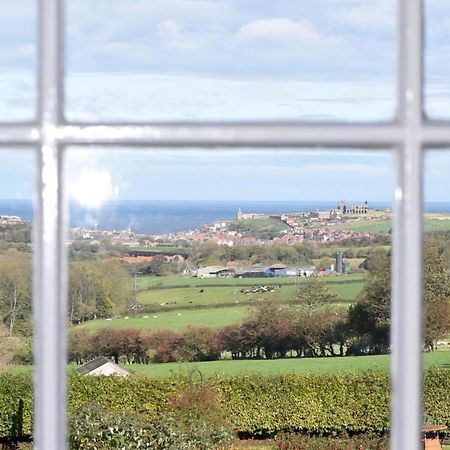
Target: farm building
(277, 270)
(306, 271)
(214, 272)
(102, 366)
(251, 272)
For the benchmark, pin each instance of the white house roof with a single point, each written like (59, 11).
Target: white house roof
(102, 366)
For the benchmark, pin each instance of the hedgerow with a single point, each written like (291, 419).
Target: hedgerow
(254, 404)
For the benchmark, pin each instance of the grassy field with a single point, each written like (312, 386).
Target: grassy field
(281, 366)
(262, 228)
(365, 225)
(208, 296)
(437, 225)
(176, 320)
(215, 307)
(439, 359)
(173, 281)
(180, 319)
(433, 222)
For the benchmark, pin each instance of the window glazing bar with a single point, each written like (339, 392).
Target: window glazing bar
(406, 325)
(262, 135)
(50, 261)
(436, 135)
(370, 136)
(11, 134)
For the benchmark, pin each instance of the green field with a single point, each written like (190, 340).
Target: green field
(179, 319)
(209, 296)
(215, 307)
(261, 228)
(274, 366)
(174, 281)
(281, 366)
(176, 320)
(437, 225)
(432, 223)
(365, 225)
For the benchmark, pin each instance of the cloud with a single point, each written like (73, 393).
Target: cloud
(278, 29)
(140, 97)
(273, 174)
(17, 173)
(217, 38)
(172, 35)
(369, 15)
(350, 169)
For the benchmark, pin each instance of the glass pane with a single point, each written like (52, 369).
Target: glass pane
(182, 60)
(436, 330)
(17, 181)
(437, 38)
(192, 266)
(18, 60)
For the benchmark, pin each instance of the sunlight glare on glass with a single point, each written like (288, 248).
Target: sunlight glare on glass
(93, 187)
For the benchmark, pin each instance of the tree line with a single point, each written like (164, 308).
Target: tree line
(272, 333)
(305, 328)
(101, 289)
(97, 289)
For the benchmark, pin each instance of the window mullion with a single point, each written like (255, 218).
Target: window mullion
(406, 327)
(49, 282)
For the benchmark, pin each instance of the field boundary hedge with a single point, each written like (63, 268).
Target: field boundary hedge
(216, 285)
(153, 307)
(255, 404)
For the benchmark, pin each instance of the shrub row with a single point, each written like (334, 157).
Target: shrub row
(255, 405)
(271, 332)
(293, 441)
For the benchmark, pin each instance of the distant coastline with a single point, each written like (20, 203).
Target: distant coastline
(159, 217)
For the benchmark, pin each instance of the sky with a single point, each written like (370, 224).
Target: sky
(172, 60)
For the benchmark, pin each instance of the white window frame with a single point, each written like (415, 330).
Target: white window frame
(408, 135)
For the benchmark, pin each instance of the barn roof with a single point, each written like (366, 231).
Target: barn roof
(95, 364)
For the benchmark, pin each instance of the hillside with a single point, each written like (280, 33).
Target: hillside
(259, 228)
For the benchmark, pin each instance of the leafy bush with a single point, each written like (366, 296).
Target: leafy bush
(297, 442)
(255, 405)
(194, 419)
(266, 405)
(200, 344)
(190, 434)
(15, 350)
(96, 428)
(16, 405)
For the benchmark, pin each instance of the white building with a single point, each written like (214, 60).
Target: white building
(102, 366)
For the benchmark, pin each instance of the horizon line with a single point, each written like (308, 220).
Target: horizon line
(228, 200)
(217, 200)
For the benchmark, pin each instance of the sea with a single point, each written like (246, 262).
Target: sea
(163, 217)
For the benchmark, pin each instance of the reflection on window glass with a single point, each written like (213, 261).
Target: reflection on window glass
(17, 178)
(18, 60)
(211, 271)
(230, 60)
(437, 38)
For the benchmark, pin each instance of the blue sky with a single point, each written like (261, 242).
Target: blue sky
(165, 60)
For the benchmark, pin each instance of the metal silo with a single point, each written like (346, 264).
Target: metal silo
(339, 262)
